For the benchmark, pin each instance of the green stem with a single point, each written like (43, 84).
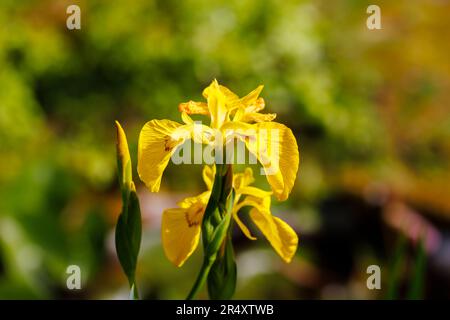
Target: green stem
(214, 214)
(134, 293)
(201, 278)
(211, 214)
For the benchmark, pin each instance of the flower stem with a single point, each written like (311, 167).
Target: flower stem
(134, 293)
(212, 219)
(201, 278)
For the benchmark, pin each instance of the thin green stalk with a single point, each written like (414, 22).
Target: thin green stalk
(397, 264)
(416, 289)
(201, 278)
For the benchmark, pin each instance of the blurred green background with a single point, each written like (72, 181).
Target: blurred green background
(370, 110)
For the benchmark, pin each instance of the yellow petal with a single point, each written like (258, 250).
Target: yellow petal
(190, 201)
(186, 119)
(282, 180)
(230, 95)
(201, 133)
(192, 107)
(280, 235)
(251, 103)
(255, 106)
(257, 117)
(179, 236)
(216, 104)
(157, 141)
(251, 99)
(241, 180)
(276, 149)
(255, 192)
(239, 222)
(262, 203)
(240, 112)
(208, 174)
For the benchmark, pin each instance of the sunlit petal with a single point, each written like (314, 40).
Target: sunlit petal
(257, 117)
(157, 141)
(216, 104)
(255, 192)
(208, 174)
(276, 149)
(241, 180)
(230, 95)
(250, 100)
(280, 235)
(239, 222)
(186, 118)
(192, 107)
(190, 201)
(179, 236)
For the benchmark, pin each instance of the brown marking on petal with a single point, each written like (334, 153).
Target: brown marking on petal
(167, 146)
(170, 144)
(192, 218)
(249, 139)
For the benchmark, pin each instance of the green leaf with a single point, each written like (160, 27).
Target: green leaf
(212, 214)
(416, 289)
(221, 230)
(128, 227)
(396, 268)
(128, 236)
(216, 222)
(216, 208)
(223, 274)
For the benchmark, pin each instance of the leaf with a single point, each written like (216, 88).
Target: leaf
(416, 289)
(215, 224)
(218, 236)
(396, 269)
(128, 236)
(128, 228)
(223, 274)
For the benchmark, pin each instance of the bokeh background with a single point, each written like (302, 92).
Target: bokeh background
(370, 110)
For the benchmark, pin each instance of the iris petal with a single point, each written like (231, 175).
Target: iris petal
(276, 149)
(179, 238)
(280, 235)
(157, 141)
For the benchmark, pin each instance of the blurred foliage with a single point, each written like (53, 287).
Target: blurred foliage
(369, 109)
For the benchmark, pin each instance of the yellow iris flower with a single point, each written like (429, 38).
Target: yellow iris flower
(181, 226)
(233, 117)
(211, 213)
